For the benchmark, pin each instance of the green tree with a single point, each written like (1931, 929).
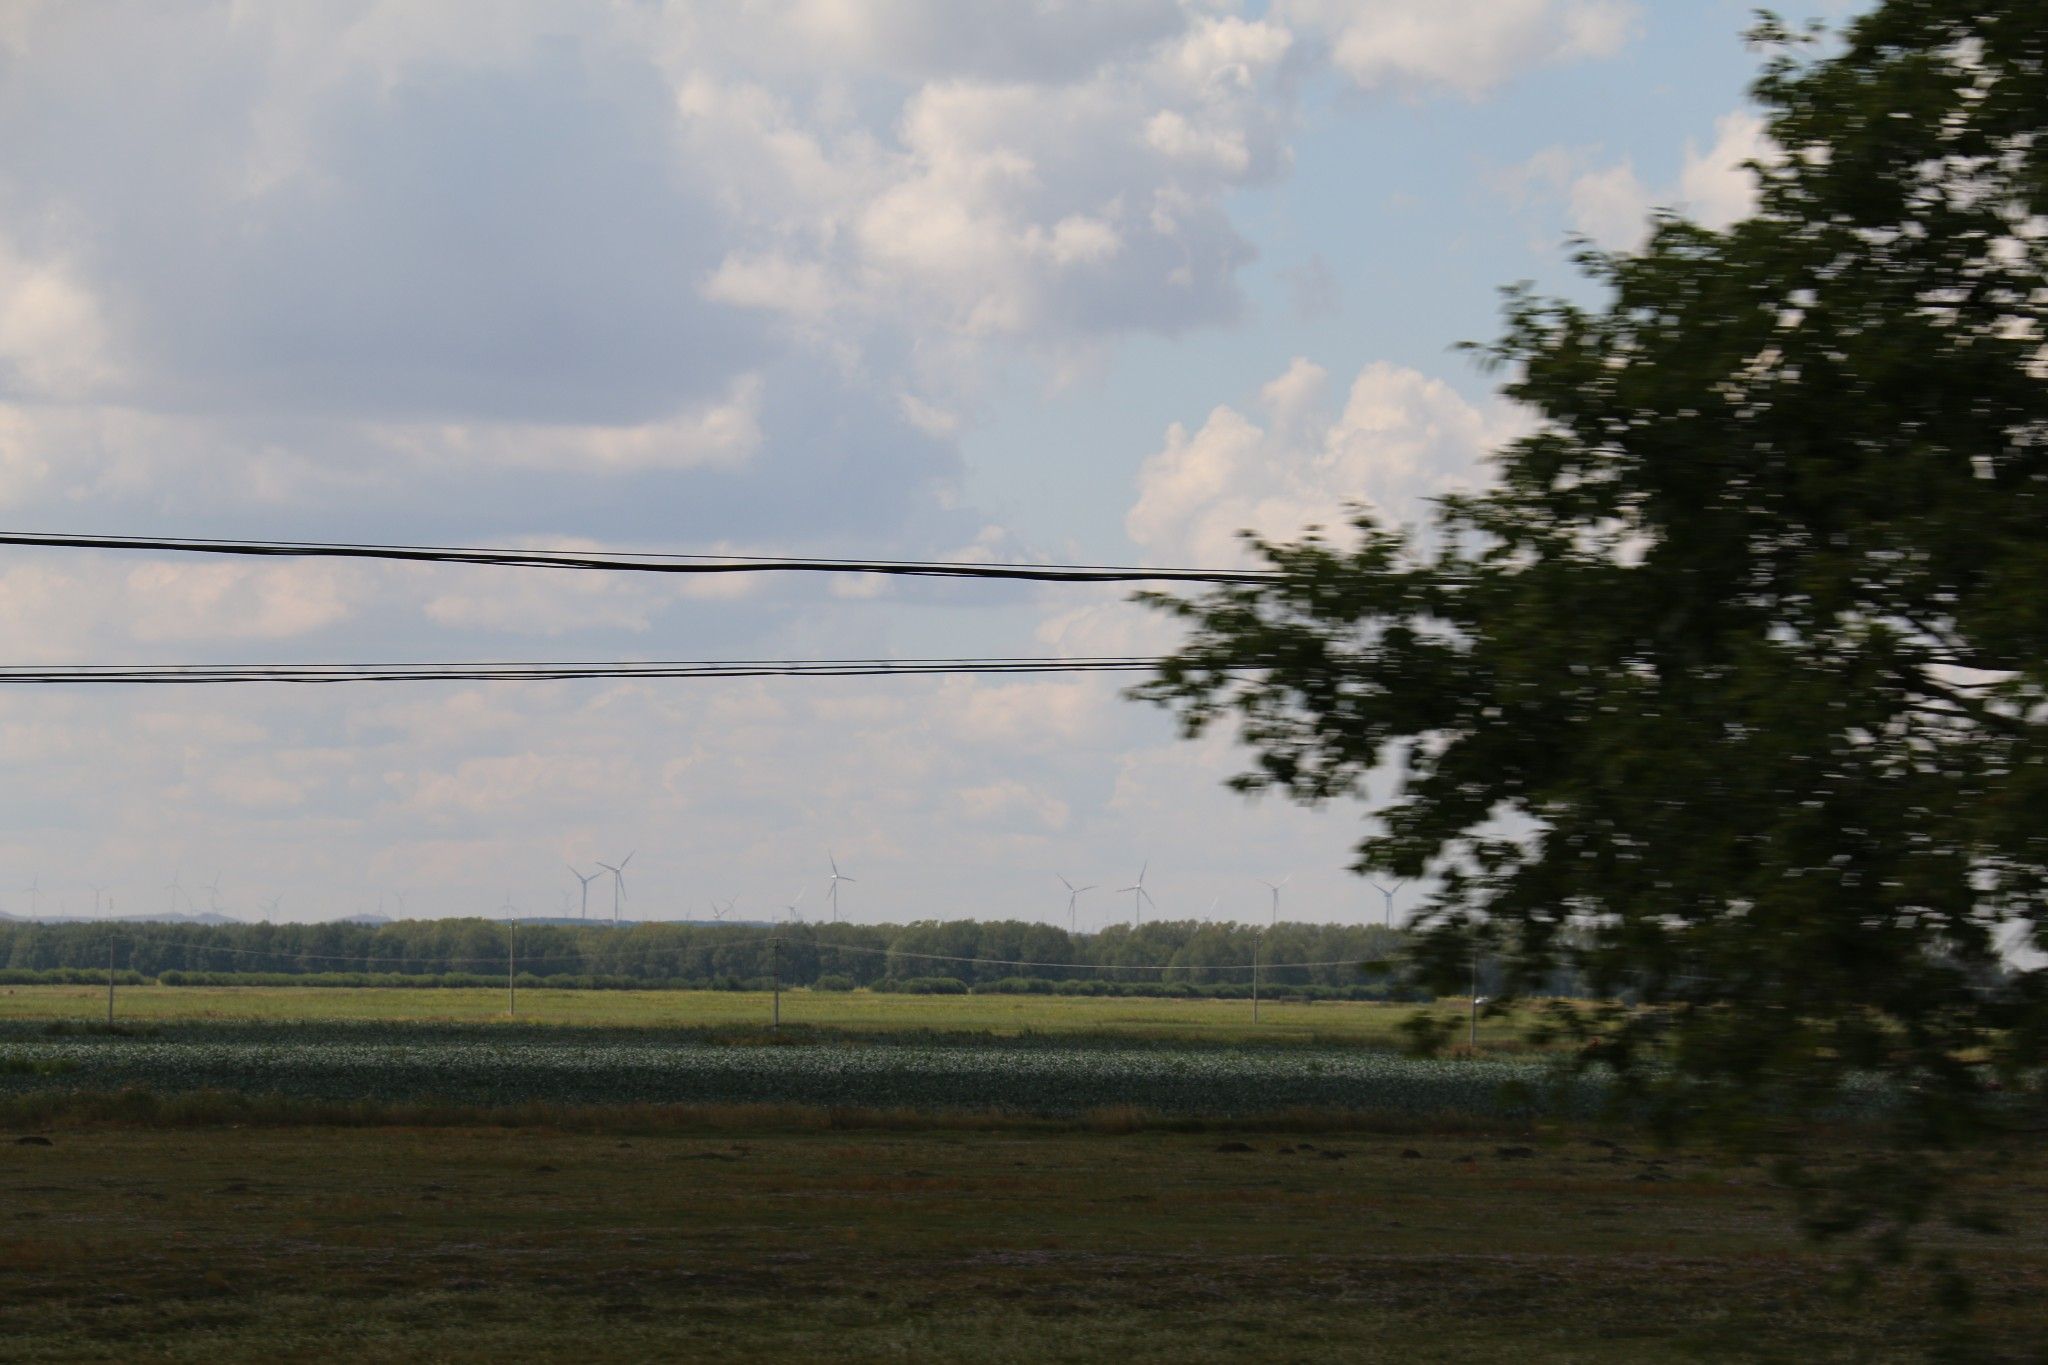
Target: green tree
(1728, 691)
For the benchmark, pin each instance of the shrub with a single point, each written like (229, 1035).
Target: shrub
(833, 983)
(925, 985)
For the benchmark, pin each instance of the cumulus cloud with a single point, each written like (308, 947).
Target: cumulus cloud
(1612, 205)
(1400, 438)
(1469, 46)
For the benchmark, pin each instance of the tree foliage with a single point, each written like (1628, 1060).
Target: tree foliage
(1729, 689)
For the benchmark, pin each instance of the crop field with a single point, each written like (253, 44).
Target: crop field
(527, 1065)
(335, 1188)
(861, 1011)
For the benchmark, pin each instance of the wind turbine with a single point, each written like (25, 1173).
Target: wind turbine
(212, 889)
(618, 883)
(586, 881)
(1073, 894)
(176, 890)
(35, 891)
(791, 907)
(96, 889)
(1388, 892)
(1274, 887)
(1139, 895)
(270, 906)
(832, 886)
(719, 912)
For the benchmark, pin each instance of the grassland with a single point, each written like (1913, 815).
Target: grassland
(1352, 1022)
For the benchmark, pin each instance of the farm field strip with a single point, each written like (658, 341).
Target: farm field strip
(1223, 1020)
(1044, 1076)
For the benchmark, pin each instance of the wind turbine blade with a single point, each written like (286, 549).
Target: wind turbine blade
(1079, 889)
(628, 858)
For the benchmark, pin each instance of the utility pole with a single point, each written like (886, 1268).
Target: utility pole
(1255, 977)
(110, 980)
(511, 968)
(1473, 1036)
(775, 978)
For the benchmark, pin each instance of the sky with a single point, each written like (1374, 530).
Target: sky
(1106, 282)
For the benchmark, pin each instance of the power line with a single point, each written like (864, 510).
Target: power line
(569, 670)
(623, 561)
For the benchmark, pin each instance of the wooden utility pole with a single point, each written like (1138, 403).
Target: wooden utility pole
(775, 979)
(1255, 980)
(110, 979)
(512, 968)
(1472, 1038)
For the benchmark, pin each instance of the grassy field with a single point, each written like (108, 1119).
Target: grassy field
(780, 1243)
(859, 1011)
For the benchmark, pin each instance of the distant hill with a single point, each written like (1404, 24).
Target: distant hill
(168, 917)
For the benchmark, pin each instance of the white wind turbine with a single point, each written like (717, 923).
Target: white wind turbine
(1139, 895)
(96, 890)
(791, 907)
(585, 881)
(270, 906)
(1073, 894)
(35, 892)
(1274, 887)
(177, 889)
(1388, 892)
(212, 890)
(832, 886)
(618, 883)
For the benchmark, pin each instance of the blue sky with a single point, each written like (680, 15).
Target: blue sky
(895, 277)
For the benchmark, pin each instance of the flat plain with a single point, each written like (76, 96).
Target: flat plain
(235, 1183)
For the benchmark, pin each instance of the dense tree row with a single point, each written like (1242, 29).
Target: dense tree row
(975, 952)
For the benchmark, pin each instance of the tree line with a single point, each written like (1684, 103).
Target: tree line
(974, 952)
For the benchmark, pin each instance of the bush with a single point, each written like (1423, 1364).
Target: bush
(925, 985)
(833, 983)
(1016, 985)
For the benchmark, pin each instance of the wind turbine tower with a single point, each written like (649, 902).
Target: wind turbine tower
(1073, 894)
(585, 881)
(1274, 887)
(832, 886)
(1388, 892)
(618, 883)
(1139, 895)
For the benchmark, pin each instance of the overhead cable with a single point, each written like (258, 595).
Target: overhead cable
(545, 671)
(623, 561)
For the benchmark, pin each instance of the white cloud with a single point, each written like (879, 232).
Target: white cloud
(1611, 204)
(724, 433)
(1714, 188)
(54, 337)
(1470, 46)
(1400, 439)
